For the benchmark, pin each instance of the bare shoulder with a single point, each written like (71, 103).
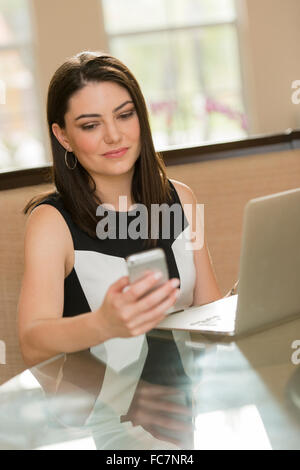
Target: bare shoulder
(47, 231)
(185, 193)
(46, 220)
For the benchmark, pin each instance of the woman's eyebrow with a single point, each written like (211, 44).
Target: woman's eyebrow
(99, 115)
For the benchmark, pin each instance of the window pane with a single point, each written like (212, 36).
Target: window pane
(191, 82)
(14, 21)
(131, 15)
(218, 57)
(190, 12)
(20, 132)
(20, 135)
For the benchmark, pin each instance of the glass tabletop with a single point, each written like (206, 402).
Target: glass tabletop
(165, 390)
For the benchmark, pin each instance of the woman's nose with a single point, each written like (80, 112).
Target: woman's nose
(112, 133)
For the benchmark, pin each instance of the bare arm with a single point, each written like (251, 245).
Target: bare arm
(43, 332)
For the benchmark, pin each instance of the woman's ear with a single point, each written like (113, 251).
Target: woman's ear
(61, 136)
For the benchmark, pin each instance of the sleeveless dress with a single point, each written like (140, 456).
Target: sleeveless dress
(101, 262)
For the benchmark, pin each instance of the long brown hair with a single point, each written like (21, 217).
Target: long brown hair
(77, 187)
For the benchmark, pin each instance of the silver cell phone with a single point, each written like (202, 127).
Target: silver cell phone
(153, 260)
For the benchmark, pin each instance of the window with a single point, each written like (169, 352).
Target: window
(185, 55)
(20, 131)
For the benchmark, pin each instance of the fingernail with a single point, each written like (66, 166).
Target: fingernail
(157, 275)
(175, 282)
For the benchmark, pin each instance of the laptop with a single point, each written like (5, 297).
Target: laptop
(269, 274)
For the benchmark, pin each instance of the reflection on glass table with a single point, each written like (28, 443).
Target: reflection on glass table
(165, 390)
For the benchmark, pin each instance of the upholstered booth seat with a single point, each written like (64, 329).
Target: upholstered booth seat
(11, 271)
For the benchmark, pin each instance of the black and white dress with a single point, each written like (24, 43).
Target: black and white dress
(101, 262)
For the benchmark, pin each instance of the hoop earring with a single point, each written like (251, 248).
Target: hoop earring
(67, 164)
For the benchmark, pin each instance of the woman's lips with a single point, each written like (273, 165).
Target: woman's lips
(116, 154)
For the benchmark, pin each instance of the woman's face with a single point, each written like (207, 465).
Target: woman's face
(101, 118)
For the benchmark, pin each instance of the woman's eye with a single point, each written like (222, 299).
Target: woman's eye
(89, 127)
(127, 115)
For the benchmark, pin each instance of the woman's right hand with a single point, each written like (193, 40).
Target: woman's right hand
(129, 312)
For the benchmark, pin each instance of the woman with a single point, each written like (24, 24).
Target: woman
(75, 291)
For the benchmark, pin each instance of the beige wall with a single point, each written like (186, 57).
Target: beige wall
(269, 42)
